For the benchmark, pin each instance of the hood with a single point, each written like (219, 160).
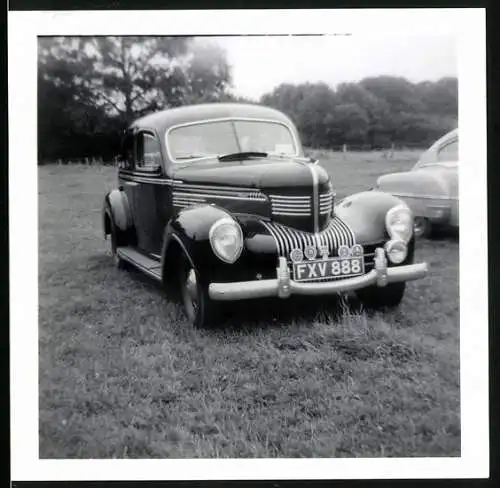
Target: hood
(258, 173)
(288, 185)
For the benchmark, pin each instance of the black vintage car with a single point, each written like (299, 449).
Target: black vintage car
(218, 202)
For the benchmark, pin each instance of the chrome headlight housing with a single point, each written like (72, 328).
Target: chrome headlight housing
(226, 239)
(399, 223)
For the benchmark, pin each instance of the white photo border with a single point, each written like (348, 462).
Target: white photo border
(467, 25)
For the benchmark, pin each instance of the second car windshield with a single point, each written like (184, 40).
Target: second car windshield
(229, 136)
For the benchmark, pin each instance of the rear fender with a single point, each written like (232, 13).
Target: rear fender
(365, 213)
(116, 211)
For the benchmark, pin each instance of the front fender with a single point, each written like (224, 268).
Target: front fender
(188, 233)
(365, 213)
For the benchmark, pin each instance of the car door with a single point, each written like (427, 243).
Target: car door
(147, 191)
(141, 177)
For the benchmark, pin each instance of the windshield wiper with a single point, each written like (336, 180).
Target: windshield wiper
(238, 156)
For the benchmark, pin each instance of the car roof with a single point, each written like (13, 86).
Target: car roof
(163, 120)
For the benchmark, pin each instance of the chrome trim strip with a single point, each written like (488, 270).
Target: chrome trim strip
(295, 205)
(315, 183)
(189, 186)
(424, 197)
(286, 197)
(223, 197)
(144, 179)
(243, 194)
(226, 119)
(291, 212)
(187, 202)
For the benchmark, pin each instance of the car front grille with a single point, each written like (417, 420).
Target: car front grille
(300, 206)
(294, 206)
(337, 233)
(326, 203)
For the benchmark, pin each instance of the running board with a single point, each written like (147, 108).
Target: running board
(149, 266)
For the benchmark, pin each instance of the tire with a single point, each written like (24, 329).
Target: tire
(376, 298)
(422, 227)
(115, 240)
(200, 310)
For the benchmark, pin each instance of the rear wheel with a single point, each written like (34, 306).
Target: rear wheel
(113, 242)
(422, 227)
(389, 296)
(200, 309)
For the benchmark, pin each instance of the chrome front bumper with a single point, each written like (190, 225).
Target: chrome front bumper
(283, 286)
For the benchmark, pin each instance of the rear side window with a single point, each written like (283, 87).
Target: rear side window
(448, 152)
(127, 156)
(148, 152)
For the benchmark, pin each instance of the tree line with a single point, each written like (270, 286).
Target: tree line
(91, 88)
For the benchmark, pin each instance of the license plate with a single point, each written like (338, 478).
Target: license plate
(322, 269)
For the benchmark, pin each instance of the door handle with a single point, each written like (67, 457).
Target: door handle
(131, 183)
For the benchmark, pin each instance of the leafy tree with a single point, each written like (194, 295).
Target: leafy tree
(207, 75)
(440, 97)
(376, 111)
(92, 86)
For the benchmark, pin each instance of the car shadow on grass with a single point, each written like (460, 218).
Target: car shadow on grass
(247, 316)
(252, 315)
(444, 234)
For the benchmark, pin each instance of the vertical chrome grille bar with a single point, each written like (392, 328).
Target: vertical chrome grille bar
(315, 202)
(338, 233)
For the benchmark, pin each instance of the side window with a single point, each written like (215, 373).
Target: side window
(148, 152)
(449, 152)
(127, 156)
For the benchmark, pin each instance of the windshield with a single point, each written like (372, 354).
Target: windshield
(217, 138)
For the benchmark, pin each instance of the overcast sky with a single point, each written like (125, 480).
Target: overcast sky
(261, 63)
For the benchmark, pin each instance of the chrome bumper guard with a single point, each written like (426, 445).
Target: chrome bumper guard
(283, 286)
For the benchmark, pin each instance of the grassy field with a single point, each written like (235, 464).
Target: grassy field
(122, 375)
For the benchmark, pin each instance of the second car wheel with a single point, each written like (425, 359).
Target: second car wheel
(200, 309)
(422, 227)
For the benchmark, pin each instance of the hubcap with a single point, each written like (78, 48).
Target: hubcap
(419, 226)
(190, 294)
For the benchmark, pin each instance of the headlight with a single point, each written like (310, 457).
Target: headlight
(396, 251)
(399, 223)
(226, 239)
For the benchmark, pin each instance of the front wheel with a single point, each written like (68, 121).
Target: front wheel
(200, 309)
(388, 296)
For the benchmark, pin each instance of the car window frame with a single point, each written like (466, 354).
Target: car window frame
(127, 156)
(444, 146)
(434, 150)
(151, 134)
(175, 162)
